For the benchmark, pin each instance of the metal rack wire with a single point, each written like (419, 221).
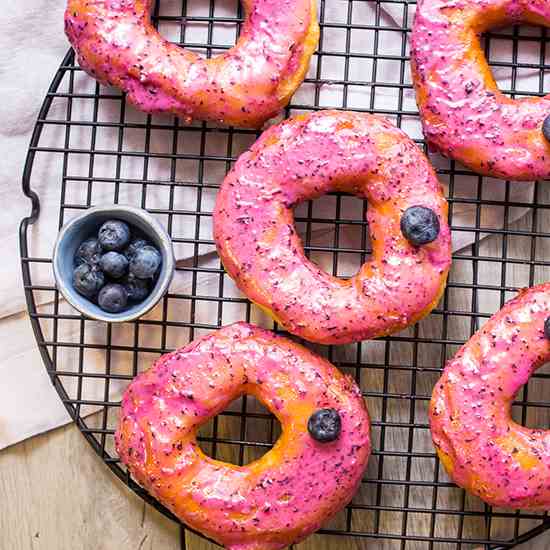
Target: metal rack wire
(93, 147)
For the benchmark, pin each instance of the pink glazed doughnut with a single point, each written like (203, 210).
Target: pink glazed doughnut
(301, 159)
(464, 114)
(481, 447)
(286, 494)
(117, 44)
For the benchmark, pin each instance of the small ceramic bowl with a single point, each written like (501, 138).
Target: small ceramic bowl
(79, 229)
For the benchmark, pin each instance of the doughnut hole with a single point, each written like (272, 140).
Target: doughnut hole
(335, 233)
(241, 434)
(184, 23)
(531, 407)
(511, 60)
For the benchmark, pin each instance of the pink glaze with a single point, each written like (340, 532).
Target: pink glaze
(276, 500)
(464, 114)
(304, 158)
(483, 450)
(117, 44)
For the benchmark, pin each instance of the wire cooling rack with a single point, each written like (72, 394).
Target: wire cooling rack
(89, 147)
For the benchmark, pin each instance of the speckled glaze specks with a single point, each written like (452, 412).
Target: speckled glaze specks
(464, 114)
(276, 500)
(304, 158)
(484, 451)
(117, 44)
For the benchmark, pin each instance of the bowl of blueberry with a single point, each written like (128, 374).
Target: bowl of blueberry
(113, 263)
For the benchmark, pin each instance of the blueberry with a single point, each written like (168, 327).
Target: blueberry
(324, 425)
(88, 280)
(420, 225)
(134, 246)
(112, 298)
(546, 128)
(114, 235)
(137, 289)
(145, 262)
(88, 252)
(547, 328)
(114, 264)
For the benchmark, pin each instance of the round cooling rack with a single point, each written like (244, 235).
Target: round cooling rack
(90, 147)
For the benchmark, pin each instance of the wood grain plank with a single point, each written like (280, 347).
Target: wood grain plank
(58, 495)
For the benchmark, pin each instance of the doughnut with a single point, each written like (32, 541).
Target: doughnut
(464, 115)
(312, 471)
(116, 43)
(306, 157)
(481, 447)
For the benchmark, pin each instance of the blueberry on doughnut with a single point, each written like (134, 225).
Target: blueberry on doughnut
(281, 497)
(546, 128)
(324, 425)
(420, 225)
(464, 114)
(481, 447)
(306, 157)
(116, 42)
